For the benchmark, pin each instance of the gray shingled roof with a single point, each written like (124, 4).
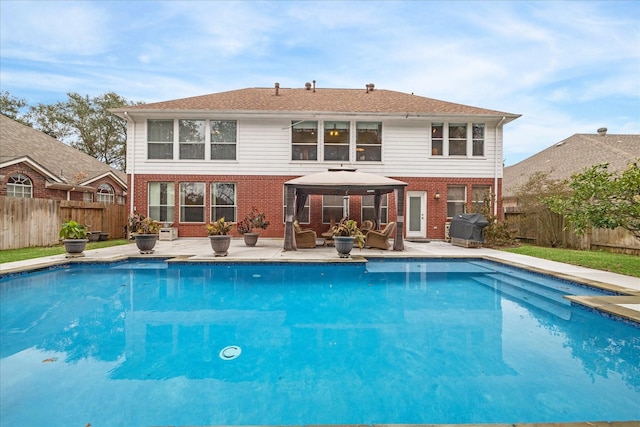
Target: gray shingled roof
(572, 155)
(323, 100)
(59, 159)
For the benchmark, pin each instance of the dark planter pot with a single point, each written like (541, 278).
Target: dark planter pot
(146, 242)
(344, 244)
(220, 244)
(75, 247)
(250, 239)
(94, 236)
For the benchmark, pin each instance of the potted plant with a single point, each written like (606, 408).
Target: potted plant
(144, 231)
(74, 238)
(345, 234)
(253, 220)
(218, 232)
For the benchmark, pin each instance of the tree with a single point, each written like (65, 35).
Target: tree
(86, 124)
(601, 199)
(10, 106)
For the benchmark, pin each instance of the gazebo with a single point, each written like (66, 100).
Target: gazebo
(343, 182)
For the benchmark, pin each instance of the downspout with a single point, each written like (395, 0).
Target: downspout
(131, 164)
(495, 168)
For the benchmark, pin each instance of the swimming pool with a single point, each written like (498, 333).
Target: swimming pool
(142, 343)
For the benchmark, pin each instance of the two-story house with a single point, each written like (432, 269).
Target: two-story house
(191, 161)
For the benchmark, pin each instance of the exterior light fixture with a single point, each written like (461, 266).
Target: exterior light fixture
(437, 195)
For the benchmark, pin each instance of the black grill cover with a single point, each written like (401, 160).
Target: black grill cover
(468, 227)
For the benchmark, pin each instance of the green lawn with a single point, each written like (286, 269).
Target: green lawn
(599, 260)
(29, 253)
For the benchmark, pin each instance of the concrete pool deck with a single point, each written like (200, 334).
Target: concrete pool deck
(625, 305)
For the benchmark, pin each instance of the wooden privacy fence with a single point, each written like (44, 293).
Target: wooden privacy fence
(36, 222)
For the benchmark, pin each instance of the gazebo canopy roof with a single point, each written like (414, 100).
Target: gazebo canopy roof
(345, 181)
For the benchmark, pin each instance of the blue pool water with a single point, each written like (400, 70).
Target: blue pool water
(402, 341)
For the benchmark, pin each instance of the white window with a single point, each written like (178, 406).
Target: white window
(19, 185)
(224, 136)
(332, 208)
(478, 139)
(368, 208)
(336, 141)
(162, 201)
(368, 141)
(223, 201)
(105, 194)
(160, 139)
(304, 140)
(458, 139)
(87, 197)
(191, 139)
(192, 207)
(437, 139)
(456, 200)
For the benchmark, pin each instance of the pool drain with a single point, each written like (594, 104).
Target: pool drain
(230, 352)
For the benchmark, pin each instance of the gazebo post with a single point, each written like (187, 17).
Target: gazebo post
(398, 241)
(288, 226)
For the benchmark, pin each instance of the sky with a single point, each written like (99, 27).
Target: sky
(566, 66)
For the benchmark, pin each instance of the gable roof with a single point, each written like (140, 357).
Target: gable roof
(318, 100)
(571, 156)
(57, 161)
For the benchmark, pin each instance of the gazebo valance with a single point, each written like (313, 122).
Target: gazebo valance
(343, 182)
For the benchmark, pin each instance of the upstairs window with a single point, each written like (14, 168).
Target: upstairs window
(437, 139)
(456, 200)
(223, 139)
(368, 141)
(19, 185)
(304, 140)
(478, 139)
(160, 139)
(191, 139)
(336, 141)
(105, 194)
(458, 139)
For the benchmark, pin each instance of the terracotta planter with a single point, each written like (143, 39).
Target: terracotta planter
(344, 244)
(75, 247)
(220, 244)
(146, 242)
(250, 239)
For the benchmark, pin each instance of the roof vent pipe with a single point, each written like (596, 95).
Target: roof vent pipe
(602, 131)
(370, 87)
(307, 86)
(314, 86)
(277, 89)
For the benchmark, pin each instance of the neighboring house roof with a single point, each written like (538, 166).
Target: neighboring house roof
(572, 155)
(58, 162)
(316, 100)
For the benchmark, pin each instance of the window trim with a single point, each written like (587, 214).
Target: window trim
(109, 195)
(213, 206)
(22, 185)
(182, 206)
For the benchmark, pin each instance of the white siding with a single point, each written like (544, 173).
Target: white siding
(264, 148)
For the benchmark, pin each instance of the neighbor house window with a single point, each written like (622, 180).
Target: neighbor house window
(368, 141)
(191, 139)
(105, 194)
(19, 185)
(458, 139)
(304, 140)
(456, 199)
(332, 208)
(223, 201)
(87, 197)
(480, 194)
(224, 136)
(437, 139)
(192, 207)
(368, 208)
(160, 139)
(336, 141)
(162, 201)
(305, 215)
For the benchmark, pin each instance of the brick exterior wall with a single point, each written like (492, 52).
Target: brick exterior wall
(266, 194)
